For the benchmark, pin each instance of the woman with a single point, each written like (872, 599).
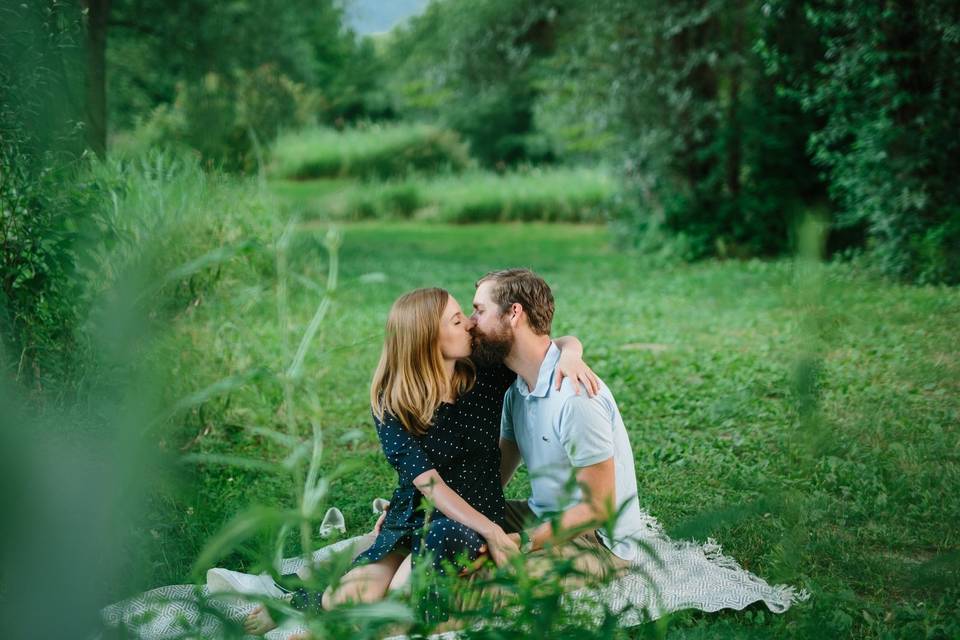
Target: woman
(438, 421)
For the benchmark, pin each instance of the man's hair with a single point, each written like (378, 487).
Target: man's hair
(526, 288)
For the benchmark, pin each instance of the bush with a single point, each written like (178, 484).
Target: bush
(375, 151)
(166, 223)
(229, 120)
(38, 212)
(154, 230)
(41, 140)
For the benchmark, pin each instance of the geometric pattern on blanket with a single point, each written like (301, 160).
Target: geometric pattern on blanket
(688, 576)
(167, 612)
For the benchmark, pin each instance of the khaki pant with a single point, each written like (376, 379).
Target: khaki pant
(589, 555)
(591, 560)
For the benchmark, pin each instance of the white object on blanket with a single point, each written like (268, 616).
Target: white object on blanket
(380, 505)
(332, 521)
(225, 581)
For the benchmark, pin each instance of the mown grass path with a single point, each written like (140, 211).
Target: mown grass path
(701, 359)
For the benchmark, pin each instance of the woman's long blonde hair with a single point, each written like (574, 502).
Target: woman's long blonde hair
(410, 382)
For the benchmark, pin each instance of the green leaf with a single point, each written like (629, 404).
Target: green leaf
(242, 527)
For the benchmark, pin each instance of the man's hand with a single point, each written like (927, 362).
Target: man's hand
(572, 365)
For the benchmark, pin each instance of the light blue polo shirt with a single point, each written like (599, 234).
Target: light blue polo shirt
(558, 432)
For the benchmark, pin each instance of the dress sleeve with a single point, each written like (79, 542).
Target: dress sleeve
(403, 451)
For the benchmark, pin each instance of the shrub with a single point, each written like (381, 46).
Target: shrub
(165, 221)
(37, 314)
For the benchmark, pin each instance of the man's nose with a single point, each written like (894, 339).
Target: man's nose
(471, 323)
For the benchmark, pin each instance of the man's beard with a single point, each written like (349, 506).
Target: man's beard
(492, 348)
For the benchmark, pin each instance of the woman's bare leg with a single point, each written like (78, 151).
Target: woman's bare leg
(368, 583)
(401, 578)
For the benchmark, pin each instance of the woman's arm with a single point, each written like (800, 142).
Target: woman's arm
(571, 365)
(509, 460)
(431, 485)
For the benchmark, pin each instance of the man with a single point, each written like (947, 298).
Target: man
(557, 432)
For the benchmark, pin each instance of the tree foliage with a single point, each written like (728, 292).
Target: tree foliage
(41, 140)
(476, 66)
(154, 46)
(888, 91)
(681, 99)
(730, 120)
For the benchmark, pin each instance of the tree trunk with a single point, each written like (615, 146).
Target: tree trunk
(96, 85)
(734, 142)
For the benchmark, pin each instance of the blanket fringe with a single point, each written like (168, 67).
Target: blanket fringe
(713, 553)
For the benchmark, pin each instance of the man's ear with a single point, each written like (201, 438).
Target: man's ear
(516, 312)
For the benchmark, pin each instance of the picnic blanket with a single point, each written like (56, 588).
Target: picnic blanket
(686, 575)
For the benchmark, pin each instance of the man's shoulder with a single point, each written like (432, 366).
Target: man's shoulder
(568, 393)
(569, 402)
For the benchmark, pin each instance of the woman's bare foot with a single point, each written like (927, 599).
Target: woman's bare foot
(258, 621)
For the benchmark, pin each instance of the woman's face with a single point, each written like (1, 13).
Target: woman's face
(455, 338)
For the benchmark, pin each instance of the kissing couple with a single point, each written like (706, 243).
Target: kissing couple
(459, 401)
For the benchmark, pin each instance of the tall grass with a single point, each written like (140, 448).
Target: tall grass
(375, 151)
(81, 473)
(549, 195)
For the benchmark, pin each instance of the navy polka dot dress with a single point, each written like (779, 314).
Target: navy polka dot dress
(462, 444)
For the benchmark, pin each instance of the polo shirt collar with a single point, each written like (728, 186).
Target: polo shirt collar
(545, 377)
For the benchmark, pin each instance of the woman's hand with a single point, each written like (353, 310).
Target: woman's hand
(383, 516)
(572, 365)
(501, 546)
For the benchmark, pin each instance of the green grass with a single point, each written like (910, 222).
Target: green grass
(375, 151)
(553, 195)
(701, 359)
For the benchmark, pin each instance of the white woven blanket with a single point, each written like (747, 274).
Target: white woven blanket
(688, 576)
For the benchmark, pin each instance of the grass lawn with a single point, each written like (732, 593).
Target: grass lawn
(862, 510)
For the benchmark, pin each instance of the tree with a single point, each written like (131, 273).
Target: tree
(686, 104)
(888, 91)
(96, 76)
(154, 45)
(476, 66)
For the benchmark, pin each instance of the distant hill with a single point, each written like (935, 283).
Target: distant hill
(368, 17)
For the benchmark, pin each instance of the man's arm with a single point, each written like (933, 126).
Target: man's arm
(598, 482)
(509, 460)
(586, 432)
